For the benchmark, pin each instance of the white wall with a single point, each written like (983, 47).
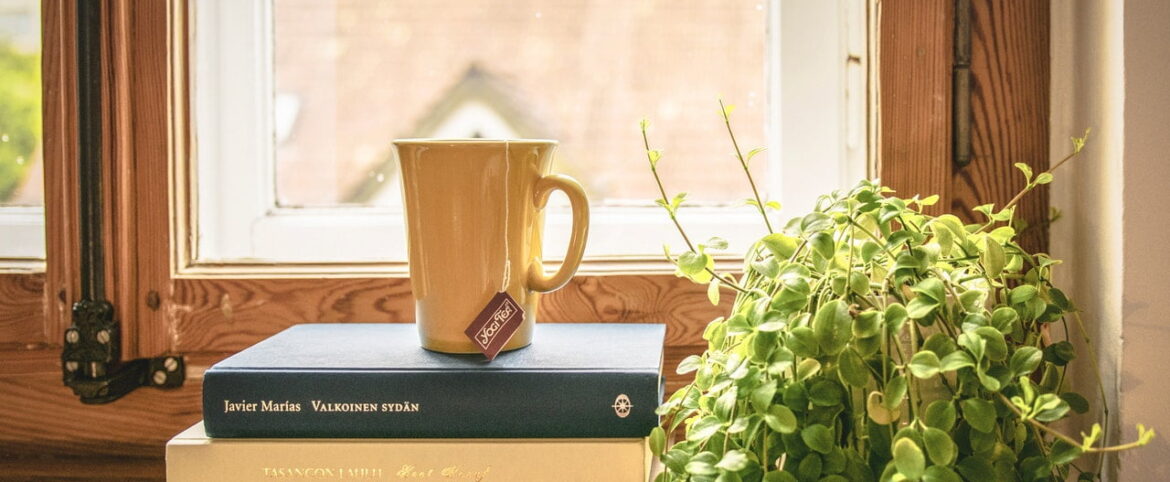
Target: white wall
(1111, 72)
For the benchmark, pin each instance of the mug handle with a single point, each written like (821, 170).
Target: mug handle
(537, 281)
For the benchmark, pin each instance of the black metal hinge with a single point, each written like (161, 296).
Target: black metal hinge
(961, 88)
(91, 360)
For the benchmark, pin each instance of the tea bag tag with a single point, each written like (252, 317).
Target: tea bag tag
(496, 324)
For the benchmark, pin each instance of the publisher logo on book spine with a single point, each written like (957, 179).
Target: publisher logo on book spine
(622, 406)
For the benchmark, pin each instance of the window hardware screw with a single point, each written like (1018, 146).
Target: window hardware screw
(160, 377)
(72, 336)
(171, 364)
(71, 366)
(103, 337)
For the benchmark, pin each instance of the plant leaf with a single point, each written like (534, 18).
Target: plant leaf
(976, 468)
(941, 414)
(713, 291)
(733, 461)
(1064, 453)
(955, 360)
(716, 243)
(762, 396)
(780, 419)
(895, 317)
(818, 437)
(993, 258)
(939, 446)
(979, 414)
(704, 428)
(780, 476)
(727, 110)
(807, 368)
(1026, 169)
(815, 221)
(996, 348)
(768, 267)
(908, 458)
(876, 409)
(1025, 360)
(851, 369)
(689, 364)
(924, 364)
(752, 153)
(832, 327)
(931, 288)
(938, 473)
(826, 393)
(692, 263)
(823, 244)
(895, 392)
(921, 307)
(1021, 294)
(657, 440)
(1075, 401)
(703, 464)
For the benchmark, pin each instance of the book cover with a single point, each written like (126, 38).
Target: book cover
(192, 456)
(373, 380)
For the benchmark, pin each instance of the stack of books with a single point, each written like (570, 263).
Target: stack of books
(364, 401)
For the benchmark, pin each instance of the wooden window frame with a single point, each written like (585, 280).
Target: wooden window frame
(205, 318)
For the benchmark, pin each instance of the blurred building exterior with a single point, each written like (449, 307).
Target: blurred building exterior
(352, 75)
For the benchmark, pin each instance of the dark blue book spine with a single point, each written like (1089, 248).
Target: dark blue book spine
(429, 404)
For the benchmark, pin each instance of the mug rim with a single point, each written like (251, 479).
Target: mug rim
(471, 141)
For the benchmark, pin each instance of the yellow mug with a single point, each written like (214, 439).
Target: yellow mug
(474, 222)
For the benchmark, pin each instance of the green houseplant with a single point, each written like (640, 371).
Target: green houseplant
(871, 341)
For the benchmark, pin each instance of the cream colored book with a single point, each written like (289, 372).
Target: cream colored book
(192, 456)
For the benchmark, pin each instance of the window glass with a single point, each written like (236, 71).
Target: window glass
(21, 182)
(353, 75)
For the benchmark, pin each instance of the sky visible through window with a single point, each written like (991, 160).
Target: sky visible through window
(353, 75)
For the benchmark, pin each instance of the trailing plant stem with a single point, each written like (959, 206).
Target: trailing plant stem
(1028, 188)
(743, 162)
(1066, 438)
(674, 218)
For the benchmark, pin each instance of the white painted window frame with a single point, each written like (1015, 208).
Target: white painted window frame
(818, 126)
(22, 237)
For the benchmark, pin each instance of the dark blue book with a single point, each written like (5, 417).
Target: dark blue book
(374, 380)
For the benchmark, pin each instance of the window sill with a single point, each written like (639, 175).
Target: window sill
(590, 266)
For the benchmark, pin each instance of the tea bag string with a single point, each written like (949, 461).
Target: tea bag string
(507, 253)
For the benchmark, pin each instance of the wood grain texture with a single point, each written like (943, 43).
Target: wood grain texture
(39, 415)
(141, 217)
(83, 468)
(914, 58)
(62, 248)
(671, 358)
(1009, 102)
(118, 134)
(231, 314)
(1010, 71)
(22, 308)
